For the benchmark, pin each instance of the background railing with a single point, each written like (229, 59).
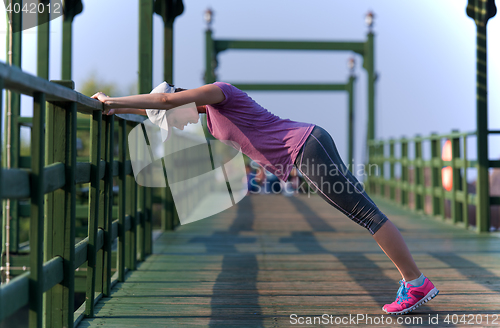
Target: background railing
(50, 186)
(409, 173)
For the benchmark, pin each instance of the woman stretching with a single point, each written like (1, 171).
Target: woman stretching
(278, 144)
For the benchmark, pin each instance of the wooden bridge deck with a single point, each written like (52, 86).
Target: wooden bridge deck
(269, 257)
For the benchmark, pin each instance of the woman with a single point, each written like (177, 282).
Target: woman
(279, 144)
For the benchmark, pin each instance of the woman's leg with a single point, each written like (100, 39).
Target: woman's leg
(321, 166)
(390, 240)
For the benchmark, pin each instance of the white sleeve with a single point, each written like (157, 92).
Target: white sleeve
(159, 116)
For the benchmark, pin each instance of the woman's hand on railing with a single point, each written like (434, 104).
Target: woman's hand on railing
(102, 97)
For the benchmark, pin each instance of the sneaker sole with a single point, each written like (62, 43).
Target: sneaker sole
(430, 295)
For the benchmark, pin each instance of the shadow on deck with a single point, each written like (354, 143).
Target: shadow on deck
(273, 256)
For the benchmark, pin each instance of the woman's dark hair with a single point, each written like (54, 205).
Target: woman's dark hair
(176, 89)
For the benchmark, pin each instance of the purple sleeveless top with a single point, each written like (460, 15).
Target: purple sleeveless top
(267, 139)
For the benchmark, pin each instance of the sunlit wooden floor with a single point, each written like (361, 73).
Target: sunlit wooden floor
(272, 257)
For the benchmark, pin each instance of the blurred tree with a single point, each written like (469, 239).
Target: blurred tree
(94, 84)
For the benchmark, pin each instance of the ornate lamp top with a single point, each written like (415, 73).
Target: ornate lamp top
(208, 16)
(481, 10)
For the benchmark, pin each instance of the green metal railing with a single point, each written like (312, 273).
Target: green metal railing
(419, 181)
(48, 287)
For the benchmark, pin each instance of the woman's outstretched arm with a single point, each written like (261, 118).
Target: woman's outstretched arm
(125, 111)
(205, 95)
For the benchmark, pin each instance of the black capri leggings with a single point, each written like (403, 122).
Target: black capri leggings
(319, 162)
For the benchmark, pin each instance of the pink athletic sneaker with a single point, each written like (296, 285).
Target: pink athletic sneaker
(411, 297)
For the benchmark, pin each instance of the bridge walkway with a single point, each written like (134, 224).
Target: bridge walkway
(269, 257)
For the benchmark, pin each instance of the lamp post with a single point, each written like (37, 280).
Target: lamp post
(481, 11)
(369, 65)
(71, 8)
(210, 58)
(350, 89)
(168, 10)
(210, 62)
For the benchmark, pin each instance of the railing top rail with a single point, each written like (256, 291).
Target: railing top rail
(420, 138)
(17, 80)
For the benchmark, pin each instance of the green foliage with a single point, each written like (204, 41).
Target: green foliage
(94, 84)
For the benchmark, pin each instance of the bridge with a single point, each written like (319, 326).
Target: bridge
(101, 250)
(272, 261)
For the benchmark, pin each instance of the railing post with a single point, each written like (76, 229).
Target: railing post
(456, 208)
(380, 165)
(1, 183)
(37, 212)
(60, 212)
(436, 184)
(481, 12)
(370, 183)
(369, 65)
(419, 176)
(350, 89)
(167, 209)
(141, 220)
(392, 184)
(50, 198)
(465, 187)
(122, 139)
(95, 159)
(404, 172)
(131, 210)
(146, 11)
(12, 142)
(102, 217)
(108, 205)
(440, 178)
(148, 248)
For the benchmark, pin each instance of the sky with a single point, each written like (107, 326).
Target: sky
(424, 58)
